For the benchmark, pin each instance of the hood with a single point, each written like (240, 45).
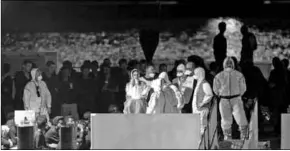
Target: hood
(199, 73)
(131, 74)
(33, 73)
(163, 75)
(229, 63)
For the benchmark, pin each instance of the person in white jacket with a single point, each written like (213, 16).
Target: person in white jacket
(229, 85)
(36, 95)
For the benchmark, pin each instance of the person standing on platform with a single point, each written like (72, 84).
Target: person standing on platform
(36, 95)
(220, 45)
(229, 85)
(249, 45)
(135, 91)
(21, 79)
(202, 97)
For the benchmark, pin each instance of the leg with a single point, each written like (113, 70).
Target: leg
(240, 116)
(203, 119)
(226, 118)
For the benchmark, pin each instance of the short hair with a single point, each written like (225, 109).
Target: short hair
(25, 62)
(41, 121)
(49, 63)
(121, 61)
(57, 119)
(222, 26)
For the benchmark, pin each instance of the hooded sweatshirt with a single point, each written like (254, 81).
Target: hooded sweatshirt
(229, 82)
(30, 97)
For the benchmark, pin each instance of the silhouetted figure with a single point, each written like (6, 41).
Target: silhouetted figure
(249, 45)
(220, 45)
(123, 79)
(286, 65)
(21, 79)
(277, 85)
(6, 90)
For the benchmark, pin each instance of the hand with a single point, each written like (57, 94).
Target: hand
(49, 110)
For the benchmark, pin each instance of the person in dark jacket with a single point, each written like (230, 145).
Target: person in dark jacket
(220, 45)
(6, 91)
(249, 45)
(21, 79)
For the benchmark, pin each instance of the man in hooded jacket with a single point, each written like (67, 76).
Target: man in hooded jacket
(230, 85)
(36, 95)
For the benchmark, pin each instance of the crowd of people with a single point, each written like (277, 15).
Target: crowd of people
(137, 87)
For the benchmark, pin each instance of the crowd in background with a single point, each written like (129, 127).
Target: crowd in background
(102, 88)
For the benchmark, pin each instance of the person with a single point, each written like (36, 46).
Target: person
(135, 95)
(6, 91)
(229, 85)
(220, 45)
(114, 109)
(67, 64)
(277, 83)
(52, 135)
(162, 68)
(202, 97)
(148, 78)
(107, 62)
(172, 73)
(6, 142)
(143, 66)
(39, 138)
(8, 133)
(249, 45)
(213, 68)
(286, 65)
(180, 76)
(95, 69)
(36, 95)
(85, 91)
(166, 97)
(21, 79)
(122, 81)
(51, 79)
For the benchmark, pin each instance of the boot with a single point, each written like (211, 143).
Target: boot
(244, 132)
(227, 134)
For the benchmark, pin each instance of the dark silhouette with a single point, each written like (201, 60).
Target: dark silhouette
(220, 45)
(249, 45)
(162, 68)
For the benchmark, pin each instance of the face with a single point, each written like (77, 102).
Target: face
(135, 75)
(179, 73)
(86, 72)
(52, 68)
(60, 123)
(150, 70)
(28, 67)
(70, 121)
(38, 76)
(124, 65)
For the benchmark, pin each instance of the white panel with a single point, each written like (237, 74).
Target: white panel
(285, 140)
(164, 131)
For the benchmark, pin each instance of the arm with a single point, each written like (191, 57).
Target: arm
(243, 86)
(208, 93)
(47, 96)
(26, 98)
(152, 104)
(216, 86)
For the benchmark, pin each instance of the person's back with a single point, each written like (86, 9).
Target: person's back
(249, 45)
(220, 44)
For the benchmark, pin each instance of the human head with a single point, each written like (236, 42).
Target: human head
(114, 109)
(244, 30)
(190, 66)
(95, 66)
(36, 75)
(143, 64)
(222, 27)
(107, 62)
(67, 64)
(135, 74)
(164, 78)
(156, 85)
(123, 64)
(6, 68)
(199, 73)
(85, 68)
(150, 71)
(87, 115)
(180, 70)
(162, 68)
(285, 63)
(277, 63)
(51, 66)
(229, 63)
(27, 65)
(58, 121)
(41, 122)
(69, 120)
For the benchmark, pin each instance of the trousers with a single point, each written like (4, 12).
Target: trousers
(203, 119)
(229, 108)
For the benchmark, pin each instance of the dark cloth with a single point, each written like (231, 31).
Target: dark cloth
(123, 79)
(150, 91)
(53, 84)
(86, 95)
(52, 136)
(39, 140)
(66, 94)
(6, 91)
(220, 49)
(20, 82)
(188, 107)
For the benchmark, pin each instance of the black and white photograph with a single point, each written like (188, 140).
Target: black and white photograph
(145, 75)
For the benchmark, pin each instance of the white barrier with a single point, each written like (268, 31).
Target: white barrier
(141, 131)
(285, 136)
